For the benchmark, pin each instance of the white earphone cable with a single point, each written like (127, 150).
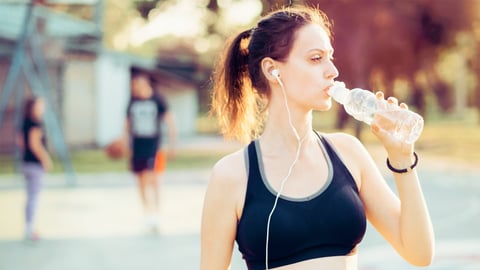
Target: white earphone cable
(297, 156)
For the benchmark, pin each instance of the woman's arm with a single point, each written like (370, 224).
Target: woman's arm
(38, 149)
(403, 221)
(220, 213)
(412, 232)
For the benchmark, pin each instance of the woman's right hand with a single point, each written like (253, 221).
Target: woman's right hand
(400, 153)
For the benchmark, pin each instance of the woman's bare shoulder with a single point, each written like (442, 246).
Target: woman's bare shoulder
(230, 170)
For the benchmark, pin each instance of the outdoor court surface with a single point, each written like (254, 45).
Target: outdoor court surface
(98, 225)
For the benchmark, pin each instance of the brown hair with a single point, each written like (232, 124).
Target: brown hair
(240, 89)
(28, 108)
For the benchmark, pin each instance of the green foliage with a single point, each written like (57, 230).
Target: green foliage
(92, 161)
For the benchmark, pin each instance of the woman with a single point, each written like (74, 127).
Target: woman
(36, 160)
(295, 198)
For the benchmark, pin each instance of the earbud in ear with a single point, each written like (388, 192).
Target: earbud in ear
(275, 73)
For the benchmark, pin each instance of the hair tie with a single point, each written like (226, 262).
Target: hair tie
(405, 170)
(246, 34)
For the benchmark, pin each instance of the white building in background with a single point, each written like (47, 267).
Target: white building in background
(91, 85)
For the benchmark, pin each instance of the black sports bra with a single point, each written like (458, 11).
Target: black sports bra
(331, 222)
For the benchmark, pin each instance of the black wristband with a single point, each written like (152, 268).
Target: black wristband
(395, 170)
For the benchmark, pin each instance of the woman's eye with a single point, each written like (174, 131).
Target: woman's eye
(316, 58)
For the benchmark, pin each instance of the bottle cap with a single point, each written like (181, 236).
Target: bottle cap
(339, 92)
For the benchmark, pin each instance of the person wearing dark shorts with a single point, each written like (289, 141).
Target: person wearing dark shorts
(140, 164)
(146, 113)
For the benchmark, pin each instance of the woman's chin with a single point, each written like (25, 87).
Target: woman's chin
(323, 106)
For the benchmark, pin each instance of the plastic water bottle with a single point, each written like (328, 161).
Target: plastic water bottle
(363, 105)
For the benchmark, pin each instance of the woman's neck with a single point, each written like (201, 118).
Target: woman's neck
(278, 130)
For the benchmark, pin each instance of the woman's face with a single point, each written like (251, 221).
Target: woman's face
(38, 109)
(309, 72)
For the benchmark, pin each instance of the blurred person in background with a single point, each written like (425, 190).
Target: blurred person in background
(36, 160)
(295, 198)
(146, 113)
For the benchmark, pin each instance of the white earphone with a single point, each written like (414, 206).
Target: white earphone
(276, 73)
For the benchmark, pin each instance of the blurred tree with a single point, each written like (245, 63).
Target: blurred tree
(145, 6)
(118, 18)
(476, 57)
(380, 41)
(115, 21)
(269, 5)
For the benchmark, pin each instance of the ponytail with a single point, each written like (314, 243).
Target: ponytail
(241, 91)
(234, 101)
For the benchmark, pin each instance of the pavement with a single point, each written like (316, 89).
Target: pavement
(98, 225)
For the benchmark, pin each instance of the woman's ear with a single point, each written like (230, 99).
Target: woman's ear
(268, 66)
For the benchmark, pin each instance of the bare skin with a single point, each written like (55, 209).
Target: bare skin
(403, 221)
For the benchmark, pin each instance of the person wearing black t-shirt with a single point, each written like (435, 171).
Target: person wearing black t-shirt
(36, 160)
(146, 113)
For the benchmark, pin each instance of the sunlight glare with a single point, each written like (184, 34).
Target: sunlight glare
(185, 19)
(180, 20)
(242, 12)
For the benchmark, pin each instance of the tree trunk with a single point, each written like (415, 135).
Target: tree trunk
(477, 92)
(213, 6)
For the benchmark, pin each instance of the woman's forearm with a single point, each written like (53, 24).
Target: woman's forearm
(415, 225)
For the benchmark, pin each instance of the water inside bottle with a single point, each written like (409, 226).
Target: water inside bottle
(401, 123)
(362, 106)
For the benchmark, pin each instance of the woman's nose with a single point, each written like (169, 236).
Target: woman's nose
(332, 71)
